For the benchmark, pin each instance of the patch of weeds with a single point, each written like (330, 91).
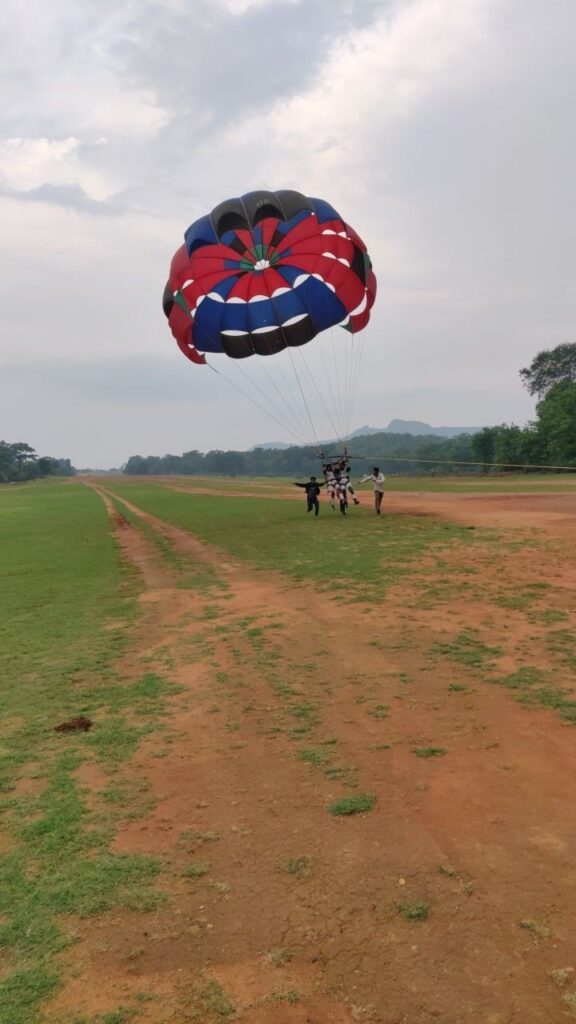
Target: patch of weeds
(211, 611)
(115, 739)
(379, 711)
(569, 1000)
(429, 751)
(211, 999)
(537, 928)
(292, 996)
(526, 676)
(196, 869)
(121, 1016)
(447, 871)
(304, 712)
(458, 688)
(380, 746)
(360, 803)
(548, 616)
(315, 757)
(214, 709)
(414, 911)
(278, 957)
(562, 976)
(562, 642)
(300, 867)
(468, 649)
(222, 888)
(550, 697)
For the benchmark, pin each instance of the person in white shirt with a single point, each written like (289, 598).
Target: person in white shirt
(330, 478)
(377, 479)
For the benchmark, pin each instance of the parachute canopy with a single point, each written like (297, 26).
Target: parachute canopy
(266, 271)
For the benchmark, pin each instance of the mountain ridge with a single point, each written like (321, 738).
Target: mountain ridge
(396, 426)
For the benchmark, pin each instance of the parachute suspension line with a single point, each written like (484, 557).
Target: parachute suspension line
(348, 353)
(357, 352)
(254, 401)
(338, 393)
(314, 434)
(293, 417)
(328, 378)
(321, 398)
(277, 412)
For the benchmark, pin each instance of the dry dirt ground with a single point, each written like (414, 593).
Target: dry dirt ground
(280, 912)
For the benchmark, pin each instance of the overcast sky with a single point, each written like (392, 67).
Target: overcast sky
(442, 130)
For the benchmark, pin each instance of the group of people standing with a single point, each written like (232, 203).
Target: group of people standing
(337, 481)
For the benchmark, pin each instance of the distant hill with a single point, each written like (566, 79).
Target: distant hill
(419, 429)
(415, 427)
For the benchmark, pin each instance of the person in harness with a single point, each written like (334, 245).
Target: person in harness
(344, 485)
(331, 484)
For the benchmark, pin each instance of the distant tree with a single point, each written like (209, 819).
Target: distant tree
(556, 424)
(45, 466)
(550, 367)
(136, 466)
(483, 445)
(19, 462)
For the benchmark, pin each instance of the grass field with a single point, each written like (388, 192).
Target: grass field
(506, 483)
(66, 603)
(409, 680)
(336, 553)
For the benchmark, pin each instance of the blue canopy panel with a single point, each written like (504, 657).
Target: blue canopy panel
(324, 211)
(267, 325)
(198, 234)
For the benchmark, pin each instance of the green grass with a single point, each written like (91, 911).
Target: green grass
(414, 911)
(360, 803)
(196, 869)
(278, 535)
(292, 996)
(467, 648)
(210, 1002)
(300, 867)
(66, 601)
(518, 483)
(314, 757)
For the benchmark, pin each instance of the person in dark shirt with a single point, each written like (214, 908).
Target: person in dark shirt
(312, 488)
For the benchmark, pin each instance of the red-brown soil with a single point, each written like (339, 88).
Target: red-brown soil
(484, 835)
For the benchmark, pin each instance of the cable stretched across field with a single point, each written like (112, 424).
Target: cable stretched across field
(455, 462)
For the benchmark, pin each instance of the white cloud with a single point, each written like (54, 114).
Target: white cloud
(28, 164)
(242, 6)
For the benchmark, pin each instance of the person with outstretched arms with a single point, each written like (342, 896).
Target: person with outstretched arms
(377, 479)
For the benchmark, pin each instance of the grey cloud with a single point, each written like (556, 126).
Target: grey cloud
(129, 381)
(71, 197)
(213, 67)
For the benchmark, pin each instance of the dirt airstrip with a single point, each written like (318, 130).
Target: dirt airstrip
(453, 900)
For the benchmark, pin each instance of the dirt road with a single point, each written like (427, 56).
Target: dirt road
(452, 901)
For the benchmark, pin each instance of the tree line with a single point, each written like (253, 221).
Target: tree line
(550, 440)
(19, 462)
